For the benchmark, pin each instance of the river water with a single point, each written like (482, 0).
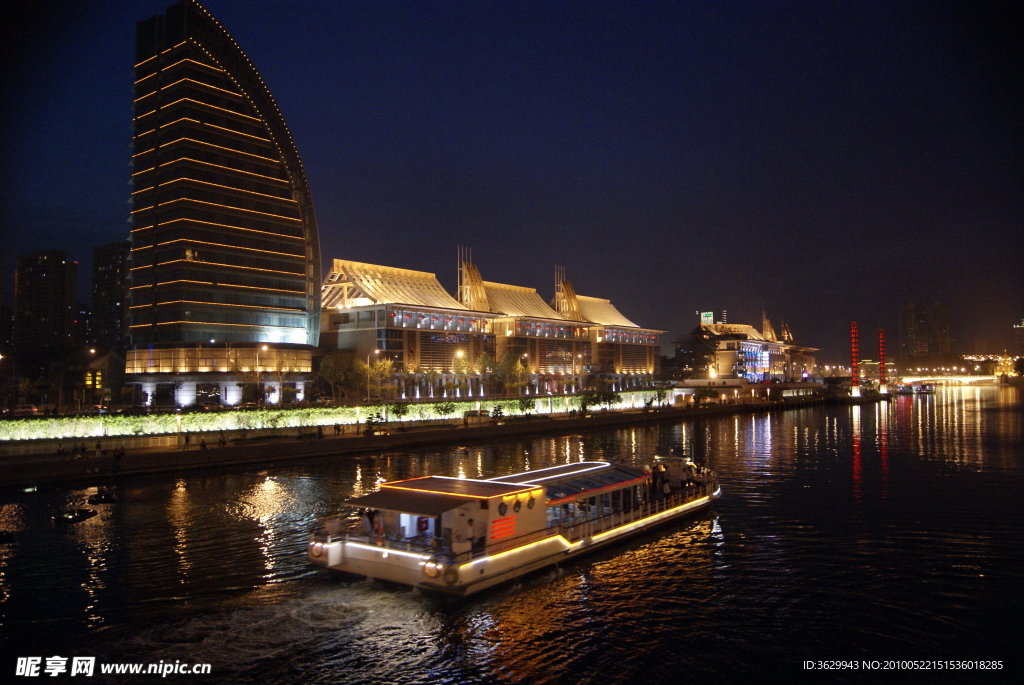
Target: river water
(882, 532)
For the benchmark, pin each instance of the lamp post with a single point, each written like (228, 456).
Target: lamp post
(455, 373)
(526, 356)
(256, 370)
(368, 374)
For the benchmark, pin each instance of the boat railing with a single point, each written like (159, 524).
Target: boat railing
(578, 530)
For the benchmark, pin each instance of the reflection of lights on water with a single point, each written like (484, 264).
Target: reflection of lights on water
(177, 509)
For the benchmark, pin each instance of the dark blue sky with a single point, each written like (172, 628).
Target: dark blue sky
(822, 161)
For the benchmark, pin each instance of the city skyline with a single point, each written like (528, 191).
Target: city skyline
(824, 164)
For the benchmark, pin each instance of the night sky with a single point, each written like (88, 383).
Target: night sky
(822, 161)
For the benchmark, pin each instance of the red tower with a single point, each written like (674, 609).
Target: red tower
(854, 355)
(881, 358)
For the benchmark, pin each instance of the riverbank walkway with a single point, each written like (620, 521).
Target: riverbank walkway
(53, 460)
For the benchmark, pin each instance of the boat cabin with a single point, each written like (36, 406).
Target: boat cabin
(464, 517)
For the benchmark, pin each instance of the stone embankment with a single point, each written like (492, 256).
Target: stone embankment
(113, 460)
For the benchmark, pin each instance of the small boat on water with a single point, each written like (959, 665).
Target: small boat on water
(458, 536)
(74, 516)
(102, 498)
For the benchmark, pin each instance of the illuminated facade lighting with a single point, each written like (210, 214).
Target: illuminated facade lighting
(214, 166)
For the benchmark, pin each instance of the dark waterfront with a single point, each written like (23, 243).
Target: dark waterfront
(889, 531)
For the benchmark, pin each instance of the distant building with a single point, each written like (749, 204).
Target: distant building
(225, 265)
(45, 309)
(6, 330)
(740, 351)
(924, 330)
(564, 344)
(109, 295)
(81, 334)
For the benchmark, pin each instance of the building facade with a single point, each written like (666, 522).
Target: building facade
(224, 267)
(109, 295)
(433, 341)
(924, 330)
(739, 351)
(46, 313)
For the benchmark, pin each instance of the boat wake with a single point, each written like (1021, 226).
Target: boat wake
(237, 640)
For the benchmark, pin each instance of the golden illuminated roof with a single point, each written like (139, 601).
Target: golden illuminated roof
(603, 312)
(353, 284)
(733, 329)
(514, 300)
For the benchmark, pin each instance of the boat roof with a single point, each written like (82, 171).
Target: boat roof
(434, 495)
(569, 482)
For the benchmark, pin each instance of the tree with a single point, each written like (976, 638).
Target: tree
(484, 364)
(701, 394)
(374, 375)
(525, 404)
(608, 398)
(399, 410)
(333, 373)
(444, 409)
(1018, 366)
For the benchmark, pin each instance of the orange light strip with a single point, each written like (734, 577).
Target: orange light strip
(229, 266)
(203, 142)
(171, 66)
(207, 124)
(598, 491)
(168, 124)
(216, 323)
(218, 304)
(231, 247)
(503, 528)
(198, 102)
(215, 185)
(196, 161)
(210, 223)
(215, 204)
(161, 53)
(190, 80)
(218, 285)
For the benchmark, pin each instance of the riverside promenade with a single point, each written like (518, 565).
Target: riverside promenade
(168, 453)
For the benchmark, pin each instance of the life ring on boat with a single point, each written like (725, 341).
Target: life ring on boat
(451, 575)
(316, 549)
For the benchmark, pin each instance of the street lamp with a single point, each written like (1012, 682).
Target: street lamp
(259, 384)
(368, 373)
(455, 373)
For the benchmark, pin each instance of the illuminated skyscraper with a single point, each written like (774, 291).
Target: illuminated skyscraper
(224, 246)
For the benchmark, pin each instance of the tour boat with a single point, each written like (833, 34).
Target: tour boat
(458, 536)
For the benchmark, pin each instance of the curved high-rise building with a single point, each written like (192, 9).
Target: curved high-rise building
(224, 249)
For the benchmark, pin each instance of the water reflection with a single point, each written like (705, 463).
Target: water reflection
(850, 528)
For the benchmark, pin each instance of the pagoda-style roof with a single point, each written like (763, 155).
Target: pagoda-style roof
(733, 329)
(514, 300)
(602, 312)
(353, 284)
